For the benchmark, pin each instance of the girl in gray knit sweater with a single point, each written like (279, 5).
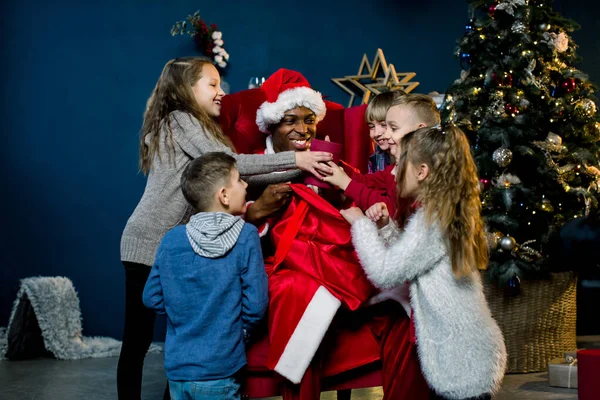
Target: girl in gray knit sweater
(179, 125)
(439, 252)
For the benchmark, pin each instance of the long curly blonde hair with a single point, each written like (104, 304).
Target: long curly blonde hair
(449, 194)
(173, 92)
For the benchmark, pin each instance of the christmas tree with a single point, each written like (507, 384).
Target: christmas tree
(534, 128)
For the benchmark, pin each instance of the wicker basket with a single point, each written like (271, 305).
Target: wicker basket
(539, 324)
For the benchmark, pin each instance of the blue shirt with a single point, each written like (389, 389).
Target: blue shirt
(379, 160)
(208, 302)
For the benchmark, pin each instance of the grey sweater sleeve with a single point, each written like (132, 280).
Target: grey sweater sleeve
(190, 136)
(267, 179)
(418, 249)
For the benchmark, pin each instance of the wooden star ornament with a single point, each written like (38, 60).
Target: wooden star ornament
(373, 78)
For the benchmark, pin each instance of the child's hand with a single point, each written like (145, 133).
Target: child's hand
(314, 162)
(352, 214)
(339, 177)
(379, 214)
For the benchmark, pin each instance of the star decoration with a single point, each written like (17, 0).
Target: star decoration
(373, 78)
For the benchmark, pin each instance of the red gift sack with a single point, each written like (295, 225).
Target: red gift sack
(588, 374)
(313, 272)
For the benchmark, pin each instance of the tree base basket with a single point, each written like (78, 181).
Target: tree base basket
(539, 323)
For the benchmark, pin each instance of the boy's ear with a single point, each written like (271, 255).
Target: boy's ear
(423, 172)
(223, 196)
(421, 125)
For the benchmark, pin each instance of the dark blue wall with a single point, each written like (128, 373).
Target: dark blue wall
(76, 76)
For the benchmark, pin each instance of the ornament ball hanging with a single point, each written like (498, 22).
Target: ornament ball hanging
(502, 156)
(511, 109)
(508, 243)
(568, 85)
(492, 10)
(585, 108)
(503, 80)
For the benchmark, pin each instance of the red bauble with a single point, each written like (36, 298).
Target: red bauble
(504, 80)
(492, 10)
(511, 109)
(569, 84)
(485, 183)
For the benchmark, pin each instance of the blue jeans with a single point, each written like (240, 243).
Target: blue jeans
(218, 389)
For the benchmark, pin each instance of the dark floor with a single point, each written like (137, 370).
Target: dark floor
(94, 379)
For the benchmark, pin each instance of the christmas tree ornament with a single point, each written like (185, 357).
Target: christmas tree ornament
(503, 80)
(510, 6)
(508, 243)
(554, 139)
(568, 85)
(524, 102)
(502, 156)
(544, 26)
(372, 76)
(585, 108)
(518, 27)
(465, 61)
(493, 239)
(492, 10)
(514, 286)
(511, 109)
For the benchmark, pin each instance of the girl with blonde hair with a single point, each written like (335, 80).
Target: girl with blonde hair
(439, 250)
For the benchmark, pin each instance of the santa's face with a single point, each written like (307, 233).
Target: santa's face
(295, 131)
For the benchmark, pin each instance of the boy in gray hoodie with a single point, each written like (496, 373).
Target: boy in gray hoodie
(210, 281)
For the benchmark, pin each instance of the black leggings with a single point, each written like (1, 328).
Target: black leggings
(137, 334)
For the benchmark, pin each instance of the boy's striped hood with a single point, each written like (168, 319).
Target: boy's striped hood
(213, 234)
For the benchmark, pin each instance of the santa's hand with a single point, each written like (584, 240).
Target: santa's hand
(379, 214)
(273, 199)
(338, 178)
(314, 162)
(352, 214)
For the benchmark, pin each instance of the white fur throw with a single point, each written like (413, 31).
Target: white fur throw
(56, 308)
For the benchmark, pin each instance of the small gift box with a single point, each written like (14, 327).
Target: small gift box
(335, 149)
(562, 372)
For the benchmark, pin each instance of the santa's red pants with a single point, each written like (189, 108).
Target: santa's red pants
(401, 372)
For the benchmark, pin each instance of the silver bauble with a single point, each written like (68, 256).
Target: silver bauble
(508, 243)
(502, 156)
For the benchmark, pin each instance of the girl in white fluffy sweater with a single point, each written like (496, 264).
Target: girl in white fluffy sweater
(439, 251)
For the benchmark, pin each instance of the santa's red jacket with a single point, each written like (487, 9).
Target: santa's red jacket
(313, 273)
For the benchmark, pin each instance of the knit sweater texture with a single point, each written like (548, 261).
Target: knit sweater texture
(459, 344)
(163, 206)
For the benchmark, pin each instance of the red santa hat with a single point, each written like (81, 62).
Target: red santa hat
(287, 89)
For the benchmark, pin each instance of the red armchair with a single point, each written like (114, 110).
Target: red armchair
(346, 126)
